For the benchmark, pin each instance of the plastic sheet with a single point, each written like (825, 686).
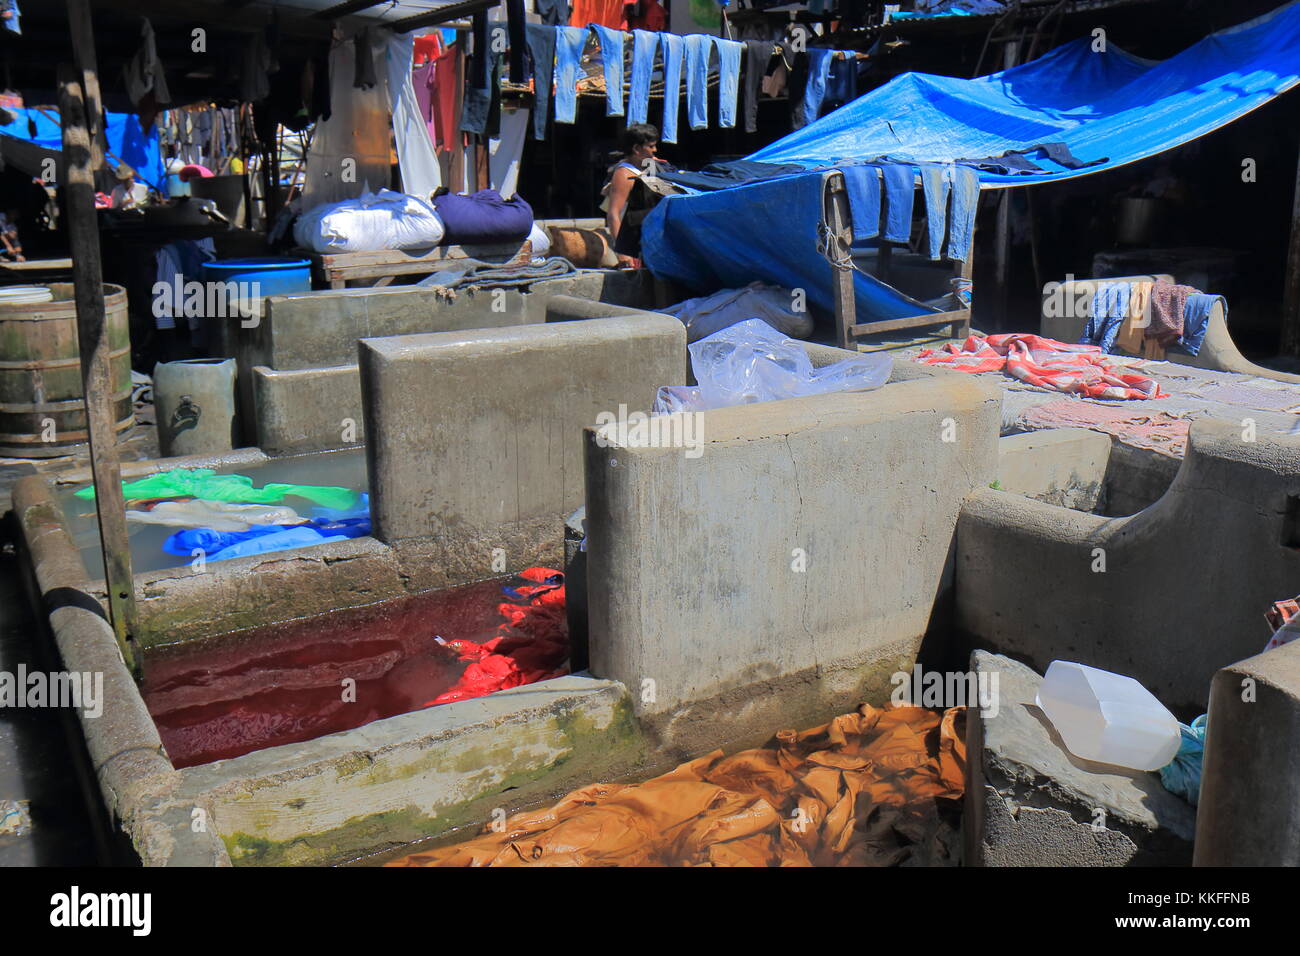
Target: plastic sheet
(752, 362)
(704, 316)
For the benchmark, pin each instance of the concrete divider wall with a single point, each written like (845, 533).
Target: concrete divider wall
(1167, 596)
(1249, 813)
(790, 569)
(475, 438)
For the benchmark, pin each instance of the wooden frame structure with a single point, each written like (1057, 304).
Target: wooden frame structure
(838, 232)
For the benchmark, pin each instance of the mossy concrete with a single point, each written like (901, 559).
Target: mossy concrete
(419, 775)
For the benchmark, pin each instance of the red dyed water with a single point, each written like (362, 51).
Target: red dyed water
(229, 695)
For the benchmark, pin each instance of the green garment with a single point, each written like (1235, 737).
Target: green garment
(207, 484)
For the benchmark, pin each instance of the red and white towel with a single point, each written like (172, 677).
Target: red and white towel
(1078, 369)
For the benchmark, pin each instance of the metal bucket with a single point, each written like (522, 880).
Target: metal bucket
(42, 407)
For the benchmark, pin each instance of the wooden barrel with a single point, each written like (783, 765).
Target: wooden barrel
(42, 414)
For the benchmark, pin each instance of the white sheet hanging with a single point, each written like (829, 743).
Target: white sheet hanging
(421, 174)
(504, 153)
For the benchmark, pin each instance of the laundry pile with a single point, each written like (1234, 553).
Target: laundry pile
(224, 516)
(532, 642)
(1046, 363)
(870, 788)
(1147, 318)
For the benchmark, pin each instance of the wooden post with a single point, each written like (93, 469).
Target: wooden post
(839, 239)
(1291, 287)
(92, 334)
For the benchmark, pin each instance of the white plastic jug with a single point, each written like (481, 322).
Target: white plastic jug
(1108, 717)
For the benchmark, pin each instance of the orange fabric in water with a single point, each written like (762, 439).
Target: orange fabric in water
(870, 788)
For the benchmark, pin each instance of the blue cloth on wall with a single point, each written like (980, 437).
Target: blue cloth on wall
(611, 55)
(644, 46)
(1196, 319)
(674, 58)
(863, 185)
(900, 187)
(1109, 309)
(569, 42)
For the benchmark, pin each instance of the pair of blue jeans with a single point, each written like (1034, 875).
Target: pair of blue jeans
(965, 201)
(541, 49)
(644, 46)
(863, 186)
(728, 80)
(674, 54)
(698, 49)
(900, 185)
(569, 42)
(819, 68)
(611, 53)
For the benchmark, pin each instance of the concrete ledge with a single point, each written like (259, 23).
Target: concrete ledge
(420, 774)
(307, 410)
(135, 777)
(1249, 813)
(1029, 802)
(1065, 467)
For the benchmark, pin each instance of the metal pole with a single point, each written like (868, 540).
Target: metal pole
(92, 335)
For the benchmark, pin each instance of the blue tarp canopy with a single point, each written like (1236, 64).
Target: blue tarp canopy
(126, 142)
(1100, 102)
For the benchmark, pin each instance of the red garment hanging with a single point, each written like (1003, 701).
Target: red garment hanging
(428, 48)
(607, 13)
(652, 18)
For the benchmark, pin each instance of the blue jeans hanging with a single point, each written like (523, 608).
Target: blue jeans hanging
(674, 50)
(698, 48)
(644, 45)
(611, 53)
(819, 68)
(900, 189)
(569, 42)
(541, 48)
(728, 80)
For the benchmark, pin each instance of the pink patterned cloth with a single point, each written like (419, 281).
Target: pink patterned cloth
(1167, 304)
(1158, 431)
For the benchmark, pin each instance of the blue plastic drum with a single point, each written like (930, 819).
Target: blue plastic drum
(275, 275)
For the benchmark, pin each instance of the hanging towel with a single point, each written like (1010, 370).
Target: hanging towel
(965, 202)
(674, 56)
(900, 188)
(863, 185)
(644, 45)
(1196, 319)
(569, 42)
(611, 53)
(698, 48)
(934, 187)
(728, 80)
(758, 53)
(541, 50)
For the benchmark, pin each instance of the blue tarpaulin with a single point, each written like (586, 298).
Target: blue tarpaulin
(126, 142)
(1090, 95)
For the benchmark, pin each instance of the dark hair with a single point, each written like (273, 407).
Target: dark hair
(639, 134)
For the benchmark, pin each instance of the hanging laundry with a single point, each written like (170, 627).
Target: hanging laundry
(842, 81)
(611, 54)
(428, 47)
(758, 53)
(255, 76)
(698, 49)
(1045, 363)
(421, 174)
(1130, 337)
(1168, 303)
(146, 86)
(364, 78)
(935, 185)
(965, 204)
(674, 58)
(863, 186)
(569, 42)
(444, 109)
(554, 13)
(644, 47)
(728, 80)
(479, 52)
(481, 107)
(1108, 312)
(605, 13)
(541, 52)
(207, 484)
(516, 22)
(1196, 319)
(900, 189)
(819, 65)
(645, 15)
